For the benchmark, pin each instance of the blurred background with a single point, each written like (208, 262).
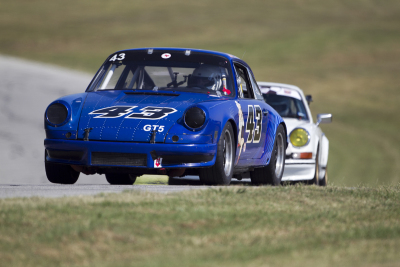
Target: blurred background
(345, 53)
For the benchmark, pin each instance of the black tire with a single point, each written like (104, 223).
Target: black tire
(120, 178)
(324, 181)
(222, 171)
(316, 180)
(59, 173)
(273, 172)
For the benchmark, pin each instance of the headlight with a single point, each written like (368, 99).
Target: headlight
(195, 117)
(57, 114)
(299, 137)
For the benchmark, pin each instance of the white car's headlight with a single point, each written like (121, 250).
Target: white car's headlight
(299, 137)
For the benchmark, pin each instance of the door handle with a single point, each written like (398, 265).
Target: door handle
(265, 112)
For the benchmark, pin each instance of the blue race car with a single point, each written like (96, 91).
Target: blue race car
(170, 111)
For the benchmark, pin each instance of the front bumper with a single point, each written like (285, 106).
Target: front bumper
(128, 154)
(299, 170)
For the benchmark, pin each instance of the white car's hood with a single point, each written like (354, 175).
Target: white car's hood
(292, 123)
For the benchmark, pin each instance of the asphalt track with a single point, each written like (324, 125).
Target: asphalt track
(55, 191)
(26, 89)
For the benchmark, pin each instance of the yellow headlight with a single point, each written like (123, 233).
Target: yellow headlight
(299, 137)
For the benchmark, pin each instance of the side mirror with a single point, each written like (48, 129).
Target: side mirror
(309, 99)
(300, 115)
(324, 118)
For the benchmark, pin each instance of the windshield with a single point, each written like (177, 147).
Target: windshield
(165, 70)
(287, 107)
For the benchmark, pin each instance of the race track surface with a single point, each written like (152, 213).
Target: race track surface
(53, 190)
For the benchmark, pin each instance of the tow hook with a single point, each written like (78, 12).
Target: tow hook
(153, 137)
(86, 135)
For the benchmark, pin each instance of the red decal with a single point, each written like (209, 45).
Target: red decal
(227, 91)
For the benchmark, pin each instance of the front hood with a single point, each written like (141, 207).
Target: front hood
(132, 116)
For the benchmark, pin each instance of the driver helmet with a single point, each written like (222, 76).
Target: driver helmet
(207, 76)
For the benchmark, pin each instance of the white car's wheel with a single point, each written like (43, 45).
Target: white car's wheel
(324, 181)
(315, 180)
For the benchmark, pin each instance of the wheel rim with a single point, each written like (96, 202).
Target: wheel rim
(227, 152)
(279, 155)
(316, 180)
(326, 176)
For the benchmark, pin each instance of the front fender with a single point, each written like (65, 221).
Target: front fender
(218, 114)
(324, 151)
(74, 104)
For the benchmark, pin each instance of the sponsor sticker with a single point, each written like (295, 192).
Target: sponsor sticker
(166, 55)
(157, 163)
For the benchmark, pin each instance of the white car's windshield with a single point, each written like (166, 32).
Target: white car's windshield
(165, 70)
(287, 107)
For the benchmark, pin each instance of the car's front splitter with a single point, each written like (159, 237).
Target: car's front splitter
(128, 154)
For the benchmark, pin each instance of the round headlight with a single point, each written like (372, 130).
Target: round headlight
(299, 137)
(195, 117)
(57, 113)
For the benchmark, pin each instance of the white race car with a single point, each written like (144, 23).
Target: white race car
(307, 152)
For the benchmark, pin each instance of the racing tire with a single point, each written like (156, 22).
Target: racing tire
(120, 178)
(324, 181)
(60, 173)
(273, 172)
(316, 180)
(222, 171)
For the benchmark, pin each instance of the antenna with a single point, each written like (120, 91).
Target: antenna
(244, 54)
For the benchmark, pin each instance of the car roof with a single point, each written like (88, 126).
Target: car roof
(183, 49)
(287, 86)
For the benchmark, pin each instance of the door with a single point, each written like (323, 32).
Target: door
(253, 135)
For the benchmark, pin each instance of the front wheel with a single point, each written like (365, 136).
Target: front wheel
(316, 180)
(59, 173)
(120, 178)
(324, 181)
(273, 172)
(222, 171)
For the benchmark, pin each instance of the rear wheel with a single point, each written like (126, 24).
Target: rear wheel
(273, 172)
(120, 178)
(222, 171)
(59, 173)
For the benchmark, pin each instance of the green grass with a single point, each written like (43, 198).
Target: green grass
(152, 179)
(235, 226)
(345, 53)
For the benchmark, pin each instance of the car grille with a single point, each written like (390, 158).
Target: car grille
(65, 155)
(119, 159)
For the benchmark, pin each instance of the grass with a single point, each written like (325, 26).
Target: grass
(152, 179)
(344, 53)
(235, 226)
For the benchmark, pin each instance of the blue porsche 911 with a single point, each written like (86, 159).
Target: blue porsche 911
(166, 111)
